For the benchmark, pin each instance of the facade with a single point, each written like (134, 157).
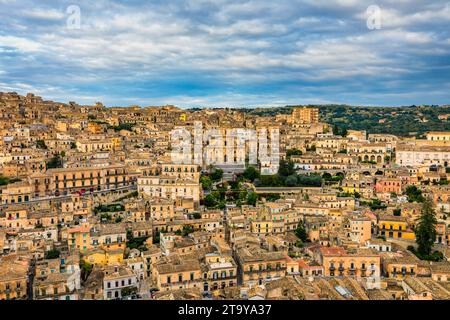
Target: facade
(305, 115)
(360, 263)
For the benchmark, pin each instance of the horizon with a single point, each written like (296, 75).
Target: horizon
(252, 54)
(232, 107)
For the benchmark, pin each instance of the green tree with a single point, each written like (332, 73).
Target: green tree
(293, 152)
(286, 168)
(291, 181)
(86, 269)
(327, 176)
(414, 194)
(128, 291)
(197, 215)
(54, 162)
(313, 180)
(217, 175)
(426, 229)
(252, 197)
(41, 144)
(210, 201)
(300, 232)
(397, 212)
(251, 173)
(52, 254)
(335, 130)
(206, 182)
(187, 229)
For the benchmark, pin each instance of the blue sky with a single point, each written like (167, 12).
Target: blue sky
(204, 53)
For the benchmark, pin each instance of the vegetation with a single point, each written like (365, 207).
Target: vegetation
(187, 229)
(105, 217)
(228, 192)
(374, 204)
(338, 131)
(197, 215)
(52, 254)
(55, 162)
(300, 232)
(401, 121)
(210, 201)
(135, 243)
(293, 152)
(288, 177)
(348, 194)
(109, 208)
(122, 126)
(426, 230)
(40, 144)
(4, 180)
(86, 269)
(414, 194)
(329, 178)
(251, 173)
(217, 174)
(252, 198)
(397, 212)
(206, 182)
(128, 291)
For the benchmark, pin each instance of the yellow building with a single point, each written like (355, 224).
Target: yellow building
(178, 273)
(395, 227)
(116, 143)
(305, 115)
(79, 238)
(13, 277)
(400, 267)
(221, 272)
(94, 128)
(262, 227)
(257, 266)
(104, 257)
(350, 186)
(18, 192)
(337, 261)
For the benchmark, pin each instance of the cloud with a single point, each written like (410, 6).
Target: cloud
(217, 52)
(44, 14)
(18, 43)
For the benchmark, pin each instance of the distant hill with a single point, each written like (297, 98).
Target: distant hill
(401, 121)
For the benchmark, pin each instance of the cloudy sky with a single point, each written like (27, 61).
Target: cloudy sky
(227, 53)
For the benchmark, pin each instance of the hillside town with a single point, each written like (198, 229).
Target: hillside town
(94, 206)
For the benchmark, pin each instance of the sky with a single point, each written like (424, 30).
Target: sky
(220, 53)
